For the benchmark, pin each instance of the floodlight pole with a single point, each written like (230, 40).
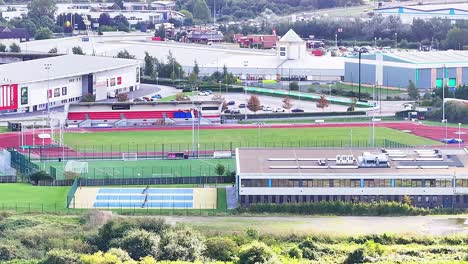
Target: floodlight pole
(193, 131)
(459, 133)
(359, 74)
(47, 67)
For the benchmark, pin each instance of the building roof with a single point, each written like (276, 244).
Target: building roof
(60, 67)
(304, 162)
(416, 57)
(13, 33)
(291, 36)
(449, 9)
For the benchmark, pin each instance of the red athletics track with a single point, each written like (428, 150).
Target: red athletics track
(432, 132)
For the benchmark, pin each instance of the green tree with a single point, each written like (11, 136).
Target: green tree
(77, 50)
(43, 33)
(39, 176)
(257, 252)
(42, 8)
(160, 31)
(124, 54)
(200, 10)
(294, 86)
(88, 98)
(149, 64)
(219, 169)
(121, 254)
(196, 69)
(2, 48)
(182, 244)
(457, 38)
(53, 50)
(14, 47)
(140, 243)
(57, 256)
(413, 92)
(122, 97)
(221, 248)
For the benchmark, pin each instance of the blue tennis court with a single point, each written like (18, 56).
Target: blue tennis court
(144, 198)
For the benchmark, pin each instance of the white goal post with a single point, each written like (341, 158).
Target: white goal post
(129, 156)
(76, 166)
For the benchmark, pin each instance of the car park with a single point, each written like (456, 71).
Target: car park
(241, 105)
(297, 110)
(279, 110)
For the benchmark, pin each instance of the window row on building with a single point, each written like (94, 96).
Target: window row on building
(350, 183)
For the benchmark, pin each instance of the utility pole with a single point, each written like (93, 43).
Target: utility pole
(214, 12)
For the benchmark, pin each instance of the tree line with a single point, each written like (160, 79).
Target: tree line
(441, 33)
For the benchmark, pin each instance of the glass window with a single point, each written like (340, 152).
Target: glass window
(56, 92)
(439, 83)
(24, 95)
(64, 90)
(452, 82)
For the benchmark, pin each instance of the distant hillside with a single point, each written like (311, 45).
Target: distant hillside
(245, 9)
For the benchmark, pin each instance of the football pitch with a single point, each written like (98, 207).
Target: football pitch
(117, 169)
(222, 139)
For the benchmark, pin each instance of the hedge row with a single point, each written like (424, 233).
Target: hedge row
(288, 115)
(344, 208)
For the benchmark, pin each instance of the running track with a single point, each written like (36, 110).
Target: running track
(436, 133)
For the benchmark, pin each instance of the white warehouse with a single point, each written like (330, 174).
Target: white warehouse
(29, 86)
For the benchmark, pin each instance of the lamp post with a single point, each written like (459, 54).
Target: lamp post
(219, 86)
(246, 102)
(47, 67)
(459, 135)
(396, 40)
(336, 39)
(157, 78)
(259, 124)
(375, 42)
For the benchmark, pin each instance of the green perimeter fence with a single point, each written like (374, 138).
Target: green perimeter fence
(166, 174)
(162, 151)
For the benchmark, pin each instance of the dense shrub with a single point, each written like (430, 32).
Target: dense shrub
(7, 252)
(182, 244)
(221, 248)
(140, 243)
(61, 257)
(255, 253)
(338, 208)
(295, 252)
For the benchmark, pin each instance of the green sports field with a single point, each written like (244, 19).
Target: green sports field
(109, 169)
(24, 197)
(217, 139)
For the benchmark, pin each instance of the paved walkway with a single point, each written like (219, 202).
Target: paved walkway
(231, 197)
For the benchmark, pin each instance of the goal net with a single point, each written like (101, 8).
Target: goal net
(129, 156)
(76, 166)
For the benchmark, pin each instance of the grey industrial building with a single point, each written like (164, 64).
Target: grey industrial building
(425, 69)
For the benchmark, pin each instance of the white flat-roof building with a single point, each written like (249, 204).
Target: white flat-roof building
(431, 177)
(31, 85)
(246, 63)
(408, 13)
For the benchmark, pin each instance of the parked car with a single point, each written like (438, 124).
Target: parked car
(267, 108)
(156, 96)
(227, 111)
(297, 110)
(139, 100)
(241, 105)
(451, 140)
(231, 103)
(208, 92)
(235, 111)
(203, 93)
(278, 110)
(148, 99)
(315, 83)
